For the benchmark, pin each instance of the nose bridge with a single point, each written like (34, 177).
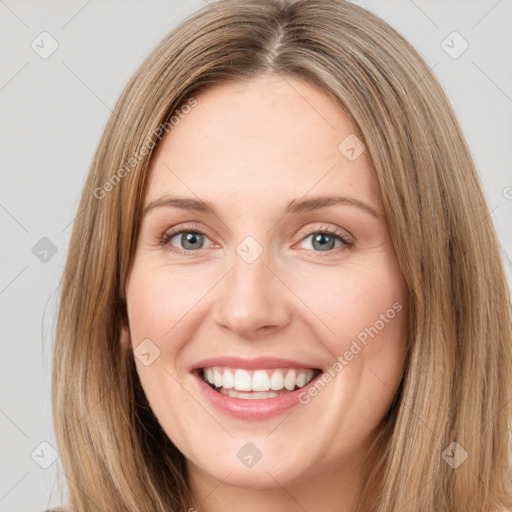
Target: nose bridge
(252, 296)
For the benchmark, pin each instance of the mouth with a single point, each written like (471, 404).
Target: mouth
(256, 384)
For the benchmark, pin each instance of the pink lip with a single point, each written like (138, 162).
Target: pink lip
(250, 409)
(249, 364)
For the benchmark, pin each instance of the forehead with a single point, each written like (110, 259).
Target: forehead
(268, 138)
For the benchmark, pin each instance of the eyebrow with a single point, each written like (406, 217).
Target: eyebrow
(306, 205)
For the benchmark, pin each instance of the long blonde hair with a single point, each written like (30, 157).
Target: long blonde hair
(457, 382)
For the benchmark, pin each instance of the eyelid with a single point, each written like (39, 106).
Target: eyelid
(347, 242)
(166, 236)
(342, 233)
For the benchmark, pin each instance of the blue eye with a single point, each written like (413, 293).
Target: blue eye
(325, 240)
(192, 240)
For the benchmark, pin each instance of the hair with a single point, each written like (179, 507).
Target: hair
(456, 384)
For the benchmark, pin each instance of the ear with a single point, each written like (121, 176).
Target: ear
(125, 337)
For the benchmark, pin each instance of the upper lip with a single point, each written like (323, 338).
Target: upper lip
(251, 363)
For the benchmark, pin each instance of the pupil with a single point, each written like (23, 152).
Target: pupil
(324, 241)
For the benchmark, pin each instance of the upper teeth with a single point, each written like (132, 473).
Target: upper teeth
(258, 380)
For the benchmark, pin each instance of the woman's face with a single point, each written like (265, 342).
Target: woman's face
(268, 285)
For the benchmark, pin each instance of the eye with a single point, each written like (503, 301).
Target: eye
(324, 240)
(191, 239)
(188, 240)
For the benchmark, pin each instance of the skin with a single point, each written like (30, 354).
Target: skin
(250, 149)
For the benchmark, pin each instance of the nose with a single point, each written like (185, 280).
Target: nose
(253, 300)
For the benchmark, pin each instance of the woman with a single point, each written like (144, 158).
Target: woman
(340, 336)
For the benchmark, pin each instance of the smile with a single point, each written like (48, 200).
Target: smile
(256, 384)
(253, 388)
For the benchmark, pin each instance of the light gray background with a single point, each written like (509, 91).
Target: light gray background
(53, 112)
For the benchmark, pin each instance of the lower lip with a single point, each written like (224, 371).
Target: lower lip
(256, 409)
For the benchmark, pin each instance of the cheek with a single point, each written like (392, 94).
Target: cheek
(158, 300)
(359, 303)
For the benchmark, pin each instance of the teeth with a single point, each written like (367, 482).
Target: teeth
(261, 382)
(247, 396)
(243, 381)
(228, 380)
(301, 379)
(277, 380)
(289, 380)
(217, 377)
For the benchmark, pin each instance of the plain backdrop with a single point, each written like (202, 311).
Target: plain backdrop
(53, 111)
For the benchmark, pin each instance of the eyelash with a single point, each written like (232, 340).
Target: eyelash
(167, 236)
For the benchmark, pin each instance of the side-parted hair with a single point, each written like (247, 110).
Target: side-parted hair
(457, 381)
